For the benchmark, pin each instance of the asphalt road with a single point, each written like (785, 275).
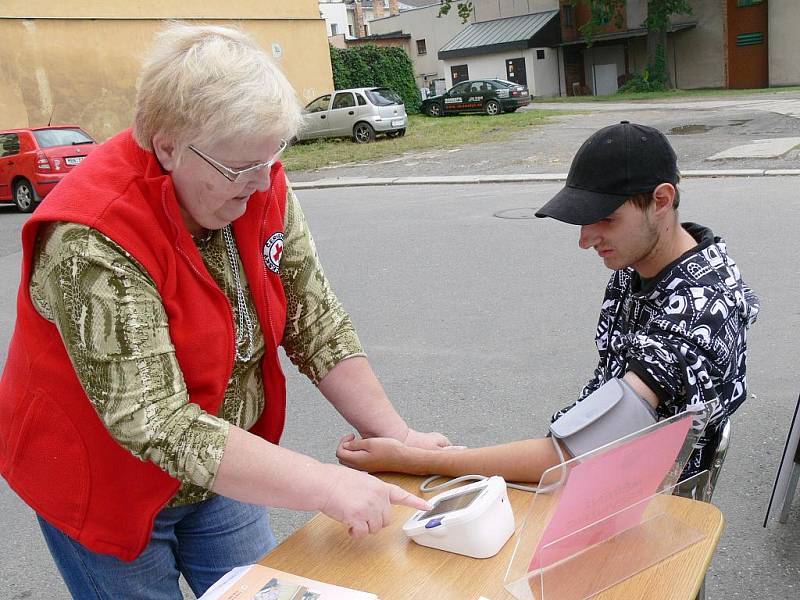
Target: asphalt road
(481, 327)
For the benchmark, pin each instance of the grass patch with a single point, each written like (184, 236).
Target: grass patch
(423, 133)
(667, 95)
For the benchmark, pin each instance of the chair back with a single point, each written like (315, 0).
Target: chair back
(702, 488)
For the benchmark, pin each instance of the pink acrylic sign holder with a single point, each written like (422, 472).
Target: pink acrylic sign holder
(602, 517)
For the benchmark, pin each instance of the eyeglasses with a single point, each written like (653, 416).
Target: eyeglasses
(233, 175)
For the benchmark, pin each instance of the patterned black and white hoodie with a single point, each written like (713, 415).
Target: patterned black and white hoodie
(683, 332)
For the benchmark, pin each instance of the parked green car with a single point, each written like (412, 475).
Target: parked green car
(491, 96)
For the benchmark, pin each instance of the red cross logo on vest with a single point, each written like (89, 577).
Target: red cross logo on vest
(272, 251)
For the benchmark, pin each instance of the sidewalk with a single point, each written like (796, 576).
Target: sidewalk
(343, 182)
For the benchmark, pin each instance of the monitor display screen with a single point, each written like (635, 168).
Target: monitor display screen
(452, 503)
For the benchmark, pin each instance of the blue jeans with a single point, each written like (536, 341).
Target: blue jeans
(203, 541)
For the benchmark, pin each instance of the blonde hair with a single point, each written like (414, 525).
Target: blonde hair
(205, 82)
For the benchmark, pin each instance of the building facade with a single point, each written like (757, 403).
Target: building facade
(428, 33)
(720, 44)
(77, 62)
(336, 18)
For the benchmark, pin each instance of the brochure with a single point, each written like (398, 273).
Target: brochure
(257, 582)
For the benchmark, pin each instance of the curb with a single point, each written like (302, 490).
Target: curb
(340, 182)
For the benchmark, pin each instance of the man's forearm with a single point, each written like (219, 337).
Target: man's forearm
(524, 460)
(354, 390)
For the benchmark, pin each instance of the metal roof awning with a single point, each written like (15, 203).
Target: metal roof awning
(629, 33)
(540, 29)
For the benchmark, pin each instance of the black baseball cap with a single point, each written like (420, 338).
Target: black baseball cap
(615, 163)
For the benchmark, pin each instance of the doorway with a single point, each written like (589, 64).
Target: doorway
(515, 70)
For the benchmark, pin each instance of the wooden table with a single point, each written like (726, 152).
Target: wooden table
(395, 568)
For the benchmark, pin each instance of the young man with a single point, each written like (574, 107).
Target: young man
(673, 322)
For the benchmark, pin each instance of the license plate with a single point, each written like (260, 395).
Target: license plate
(73, 160)
(397, 122)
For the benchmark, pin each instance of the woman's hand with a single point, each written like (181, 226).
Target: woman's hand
(363, 502)
(375, 454)
(428, 441)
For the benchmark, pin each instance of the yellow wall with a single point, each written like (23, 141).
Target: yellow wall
(162, 9)
(83, 70)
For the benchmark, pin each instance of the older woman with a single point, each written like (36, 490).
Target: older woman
(143, 400)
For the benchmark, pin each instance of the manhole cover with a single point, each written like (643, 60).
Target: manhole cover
(517, 213)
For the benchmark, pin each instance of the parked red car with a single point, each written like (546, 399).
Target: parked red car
(33, 161)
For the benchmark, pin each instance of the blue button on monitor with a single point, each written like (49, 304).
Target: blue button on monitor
(433, 523)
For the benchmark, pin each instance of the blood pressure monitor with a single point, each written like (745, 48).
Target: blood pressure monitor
(475, 520)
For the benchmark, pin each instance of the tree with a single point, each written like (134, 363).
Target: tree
(464, 9)
(655, 75)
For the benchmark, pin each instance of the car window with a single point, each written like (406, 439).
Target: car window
(361, 100)
(343, 100)
(48, 138)
(491, 86)
(383, 97)
(9, 144)
(319, 104)
(461, 88)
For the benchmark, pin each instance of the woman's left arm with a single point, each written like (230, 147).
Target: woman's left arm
(354, 390)
(320, 339)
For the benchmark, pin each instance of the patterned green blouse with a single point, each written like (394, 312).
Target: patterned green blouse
(114, 327)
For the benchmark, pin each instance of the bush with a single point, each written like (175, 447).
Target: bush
(376, 66)
(653, 78)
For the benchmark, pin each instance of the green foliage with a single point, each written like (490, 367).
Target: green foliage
(659, 12)
(464, 9)
(602, 13)
(653, 78)
(369, 65)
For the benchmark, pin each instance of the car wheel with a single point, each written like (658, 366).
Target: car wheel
(363, 133)
(492, 107)
(398, 133)
(434, 110)
(24, 196)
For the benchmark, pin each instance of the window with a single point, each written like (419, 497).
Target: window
(361, 101)
(319, 104)
(601, 13)
(461, 88)
(334, 28)
(749, 39)
(350, 30)
(383, 97)
(478, 86)
(421, 48)
(742, 3)
(343, 100)
(49, 138)
(540, 54)
(9, 144)
(568, 16)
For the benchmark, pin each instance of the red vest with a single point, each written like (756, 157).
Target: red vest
(55, 451)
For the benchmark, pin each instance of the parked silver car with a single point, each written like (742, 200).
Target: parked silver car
(359, 112)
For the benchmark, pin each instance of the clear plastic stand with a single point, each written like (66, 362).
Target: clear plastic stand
(604, 516)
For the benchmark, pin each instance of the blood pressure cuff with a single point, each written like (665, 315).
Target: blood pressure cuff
(609, 413)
